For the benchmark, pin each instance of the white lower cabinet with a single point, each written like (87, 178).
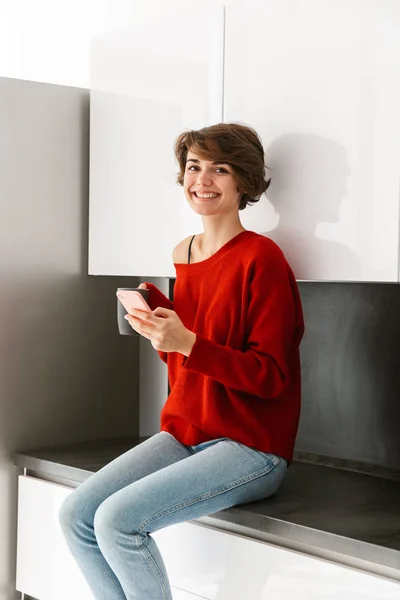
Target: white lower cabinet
(223, 566)
(201, 562)
(45, 567)
(183, 595)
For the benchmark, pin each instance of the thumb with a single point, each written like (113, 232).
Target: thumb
(160, 311)
(143, 286)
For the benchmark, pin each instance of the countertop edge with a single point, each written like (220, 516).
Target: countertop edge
(24, 461)
(321, 544)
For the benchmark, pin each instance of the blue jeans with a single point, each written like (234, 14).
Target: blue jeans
(108, 519)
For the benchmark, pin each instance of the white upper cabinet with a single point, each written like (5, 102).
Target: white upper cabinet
(149, 83)
(320, 82)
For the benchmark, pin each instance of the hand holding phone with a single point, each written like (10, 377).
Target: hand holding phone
(132, 299)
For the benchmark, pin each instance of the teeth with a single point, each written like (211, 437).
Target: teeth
(206, 195)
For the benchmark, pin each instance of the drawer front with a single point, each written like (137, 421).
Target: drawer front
(222, 566)
(45, 567)
(201, 562)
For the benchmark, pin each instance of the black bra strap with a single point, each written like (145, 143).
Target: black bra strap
(190, 246)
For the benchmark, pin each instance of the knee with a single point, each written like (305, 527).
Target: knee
(70, 514)
(106, 522)
(111, 524)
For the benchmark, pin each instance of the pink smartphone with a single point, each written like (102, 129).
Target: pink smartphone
(132, 299)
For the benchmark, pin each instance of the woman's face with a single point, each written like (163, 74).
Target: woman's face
(210, 187)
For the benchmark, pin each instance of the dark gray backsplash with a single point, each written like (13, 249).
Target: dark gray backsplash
(351, 371)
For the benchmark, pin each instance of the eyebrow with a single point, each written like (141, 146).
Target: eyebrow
(215, 162)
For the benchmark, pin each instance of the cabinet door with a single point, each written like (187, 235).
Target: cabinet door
(45, 567)
(320, 82)
(148, 85)
(222, 566)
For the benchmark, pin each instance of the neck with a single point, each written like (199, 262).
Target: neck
(217, 234)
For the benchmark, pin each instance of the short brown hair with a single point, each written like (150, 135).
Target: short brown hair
(236, 145)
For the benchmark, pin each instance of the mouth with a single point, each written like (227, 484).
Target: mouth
(205, 195)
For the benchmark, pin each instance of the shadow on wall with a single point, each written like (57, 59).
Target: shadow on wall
(308, 184)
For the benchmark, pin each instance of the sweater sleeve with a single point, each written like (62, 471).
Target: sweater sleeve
(157, 298)
(274, 328)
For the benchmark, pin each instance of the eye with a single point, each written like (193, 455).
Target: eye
(192, 168)
(221, 170)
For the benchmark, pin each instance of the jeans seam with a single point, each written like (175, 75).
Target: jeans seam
(150, 560)
(198, 499)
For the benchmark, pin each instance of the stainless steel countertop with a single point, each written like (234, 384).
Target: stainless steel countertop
(333, 513)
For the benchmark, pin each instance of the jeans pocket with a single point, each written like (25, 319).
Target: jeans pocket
(274, 458)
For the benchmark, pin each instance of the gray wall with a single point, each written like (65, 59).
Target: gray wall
(65, 373)
(351, 372)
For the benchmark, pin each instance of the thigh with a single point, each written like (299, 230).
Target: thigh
(157, 452)
(220, 476)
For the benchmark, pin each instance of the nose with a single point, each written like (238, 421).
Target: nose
(203, 179)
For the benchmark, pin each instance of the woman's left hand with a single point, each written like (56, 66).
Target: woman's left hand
(163, 328)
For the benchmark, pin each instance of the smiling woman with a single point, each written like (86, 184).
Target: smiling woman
(231, 149)
(231, 342)
(209, 185)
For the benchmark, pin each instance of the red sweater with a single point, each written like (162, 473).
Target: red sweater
(242, 378)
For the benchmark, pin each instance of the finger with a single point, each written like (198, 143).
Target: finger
(139, 326)
(160, 311)
(143, 315)
(143, 286)
(133, 322)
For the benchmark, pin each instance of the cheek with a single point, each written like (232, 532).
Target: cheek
(233, 188)
(188, 181)
(186, 187)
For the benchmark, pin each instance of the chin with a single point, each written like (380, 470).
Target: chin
(203, 210)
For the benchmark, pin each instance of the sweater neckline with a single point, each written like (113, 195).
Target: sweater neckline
(207, 263)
